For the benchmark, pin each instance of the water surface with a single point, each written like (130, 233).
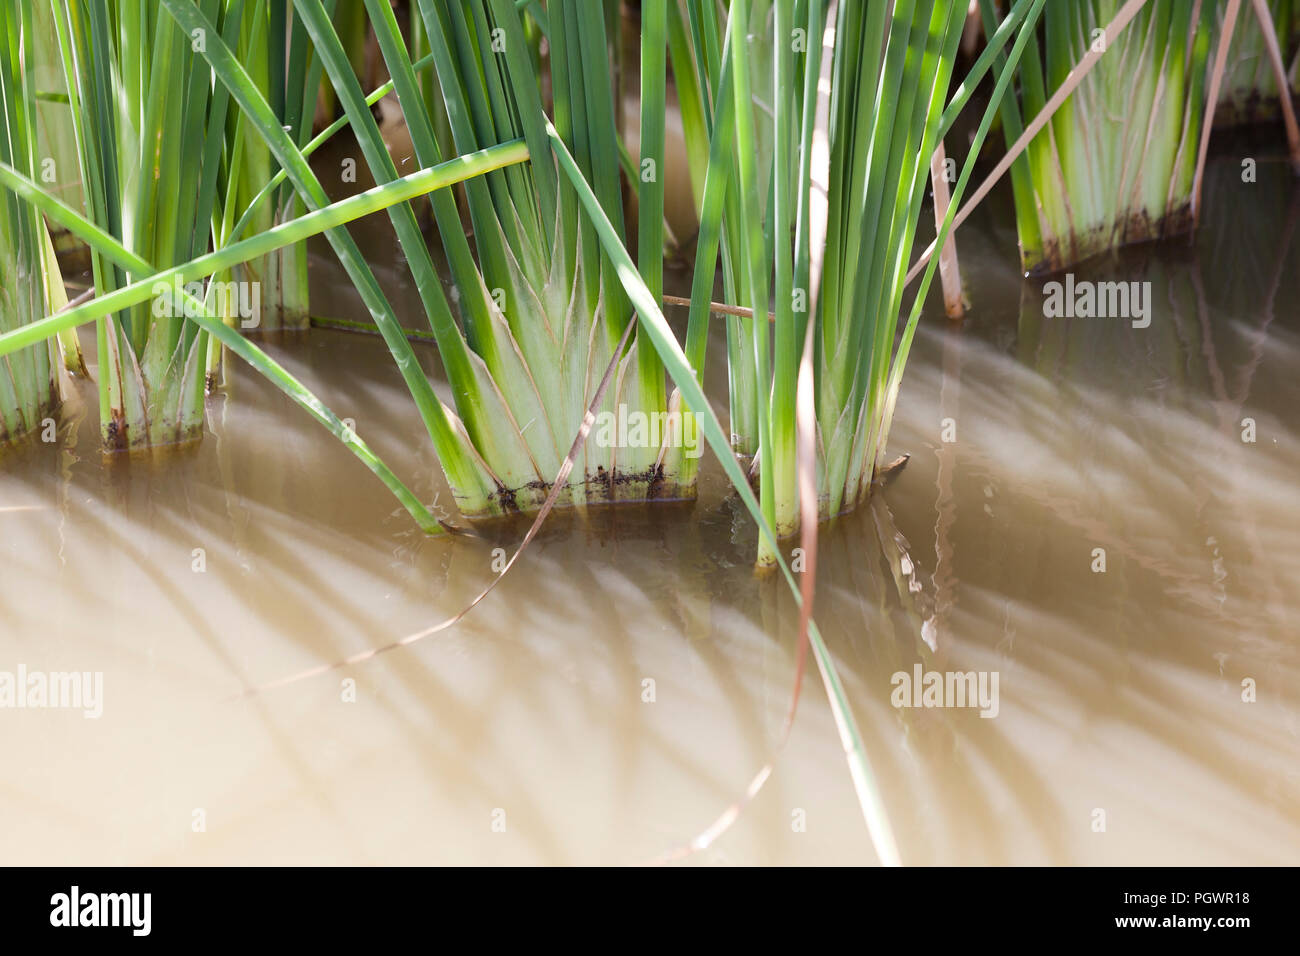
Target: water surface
(1119, 691)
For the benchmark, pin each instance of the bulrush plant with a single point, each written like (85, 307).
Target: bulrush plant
(149, 130)
(30, 286)
(168, 168)
(541, 311)
(1116, 163)
(176, 283)
(1249, 93)
(882, 135)
(274, 46)
(56, 145)
(887, 75)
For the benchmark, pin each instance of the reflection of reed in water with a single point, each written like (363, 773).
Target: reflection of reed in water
(1199, 358)
(1129, 440)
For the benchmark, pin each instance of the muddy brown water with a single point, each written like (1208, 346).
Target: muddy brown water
(523, 735)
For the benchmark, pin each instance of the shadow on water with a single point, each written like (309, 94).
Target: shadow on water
(626, 680)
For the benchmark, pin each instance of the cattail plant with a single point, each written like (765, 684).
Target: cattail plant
(540, 309)
(148, 126)
(56, 146)
(30, 285)
(889, 73)
(325, 219)
(1116, 163)
(278, 55)
(1249, 92)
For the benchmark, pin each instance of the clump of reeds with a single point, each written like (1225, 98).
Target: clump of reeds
(540, 310)
(30, 286)
(1116, 163)
(1249, 92)
(884, 76)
